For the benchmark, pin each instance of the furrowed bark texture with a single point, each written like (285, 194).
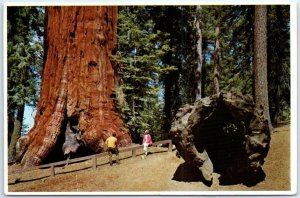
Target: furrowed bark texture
(216, 86)
(199, 56)
(260, 59)
(16, 133)
(77, 84)
(223, 133)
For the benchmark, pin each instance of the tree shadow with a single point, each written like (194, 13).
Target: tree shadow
(253, 179)
(249, 178)
(72, 171)
(19, 180)
(189, 173)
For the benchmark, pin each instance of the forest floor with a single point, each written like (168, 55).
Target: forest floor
(159, 171)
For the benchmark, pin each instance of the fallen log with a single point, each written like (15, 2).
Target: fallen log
(224, 133)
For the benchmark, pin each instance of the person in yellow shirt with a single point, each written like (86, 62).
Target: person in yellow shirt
(112, 148)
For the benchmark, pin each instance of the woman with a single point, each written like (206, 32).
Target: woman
(147, 140)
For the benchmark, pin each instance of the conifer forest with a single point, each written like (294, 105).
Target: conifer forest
(96, 70)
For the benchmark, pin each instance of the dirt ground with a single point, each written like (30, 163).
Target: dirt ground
(154, 173)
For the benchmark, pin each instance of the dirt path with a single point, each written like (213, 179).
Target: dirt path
(154, 173)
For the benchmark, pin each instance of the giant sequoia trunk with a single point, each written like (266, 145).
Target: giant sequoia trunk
(77, 84)
(223, 133)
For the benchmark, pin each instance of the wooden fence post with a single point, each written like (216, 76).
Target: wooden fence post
(170, 146)
(94, 162)
(52, 170)
(133, 152)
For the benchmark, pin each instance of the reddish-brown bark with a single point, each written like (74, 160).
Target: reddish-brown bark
(77, 84)
(216, 77)
(199, 56)
(260, 60)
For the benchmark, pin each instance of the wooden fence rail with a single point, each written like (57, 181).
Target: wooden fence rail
(93, 157)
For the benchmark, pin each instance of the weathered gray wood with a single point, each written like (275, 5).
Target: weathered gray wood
(170, 147)
(19, 171)
(52, 170)
(134, 153)
(130, 149)
(101, 154)
(72, 139)
(94, 162)
(162, 142)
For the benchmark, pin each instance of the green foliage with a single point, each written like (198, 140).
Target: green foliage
(179, 85)
(236, 52)
(156, 58)
(24, 56)
(141, 49)
(236, 43)
(279, 62)
(157, 50)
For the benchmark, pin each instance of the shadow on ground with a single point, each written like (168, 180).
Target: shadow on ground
(247, 178)
(188, 173)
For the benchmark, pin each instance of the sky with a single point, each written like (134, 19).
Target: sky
(29, 117)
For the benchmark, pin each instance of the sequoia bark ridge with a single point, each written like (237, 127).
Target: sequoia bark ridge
(77, 83)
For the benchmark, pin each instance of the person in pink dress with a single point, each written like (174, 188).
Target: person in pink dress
(147, 141)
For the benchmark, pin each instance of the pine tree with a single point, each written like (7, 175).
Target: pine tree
(279, 62)
(141, 49)
(199, 55)
(216, 74)
(239, 50)
(227, 44)
(260, 60)
(25, 31)
(179, 85)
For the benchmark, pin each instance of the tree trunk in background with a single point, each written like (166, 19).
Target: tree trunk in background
(16, 133)
(260, 60)
(216, 88)
(168, 105)
(199, 56)
(77, 83)
(276, 62)
(204, 72)
(10, 120)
